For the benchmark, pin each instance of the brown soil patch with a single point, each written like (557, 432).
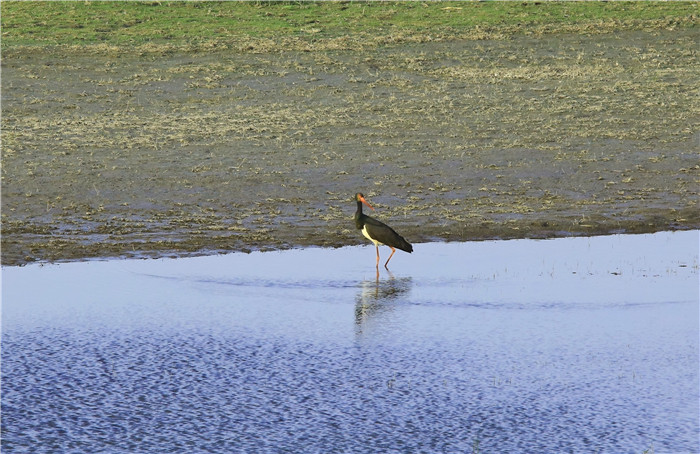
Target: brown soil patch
(530, 137)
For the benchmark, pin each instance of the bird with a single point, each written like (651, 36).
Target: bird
(378, 232)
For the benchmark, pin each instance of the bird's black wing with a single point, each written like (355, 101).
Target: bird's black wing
(386, 235)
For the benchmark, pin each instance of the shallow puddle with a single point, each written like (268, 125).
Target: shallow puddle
(567, 345)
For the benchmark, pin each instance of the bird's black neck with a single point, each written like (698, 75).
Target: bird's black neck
(359, 208)
(359, 216)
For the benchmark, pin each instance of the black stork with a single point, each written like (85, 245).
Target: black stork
(378, 232)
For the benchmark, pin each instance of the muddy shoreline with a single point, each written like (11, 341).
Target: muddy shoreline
(181, 154)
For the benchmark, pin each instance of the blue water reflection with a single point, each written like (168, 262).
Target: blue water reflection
(575, 345)
(377, 299)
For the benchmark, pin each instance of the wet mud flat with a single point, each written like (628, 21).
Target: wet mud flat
(563, 345)
(151, 155)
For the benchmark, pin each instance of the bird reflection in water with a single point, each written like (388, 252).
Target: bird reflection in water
(377, 297)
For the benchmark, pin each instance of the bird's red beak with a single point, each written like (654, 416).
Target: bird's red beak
(362, 199)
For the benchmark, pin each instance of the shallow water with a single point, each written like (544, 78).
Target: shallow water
(567, 345)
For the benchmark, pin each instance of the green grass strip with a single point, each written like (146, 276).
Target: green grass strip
(157, 26)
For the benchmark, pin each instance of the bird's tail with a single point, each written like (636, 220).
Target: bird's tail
(404, 245)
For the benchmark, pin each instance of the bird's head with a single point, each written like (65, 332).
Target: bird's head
(361, 198)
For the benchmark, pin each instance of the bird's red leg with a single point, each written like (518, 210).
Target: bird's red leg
(386, 265)
(377, 246)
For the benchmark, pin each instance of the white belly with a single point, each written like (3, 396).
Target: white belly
(364, 232)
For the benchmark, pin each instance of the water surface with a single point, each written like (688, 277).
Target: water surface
(567, 345)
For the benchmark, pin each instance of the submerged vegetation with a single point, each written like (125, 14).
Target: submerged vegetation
(155, 128)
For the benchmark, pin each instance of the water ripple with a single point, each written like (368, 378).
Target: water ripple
(295, 352)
